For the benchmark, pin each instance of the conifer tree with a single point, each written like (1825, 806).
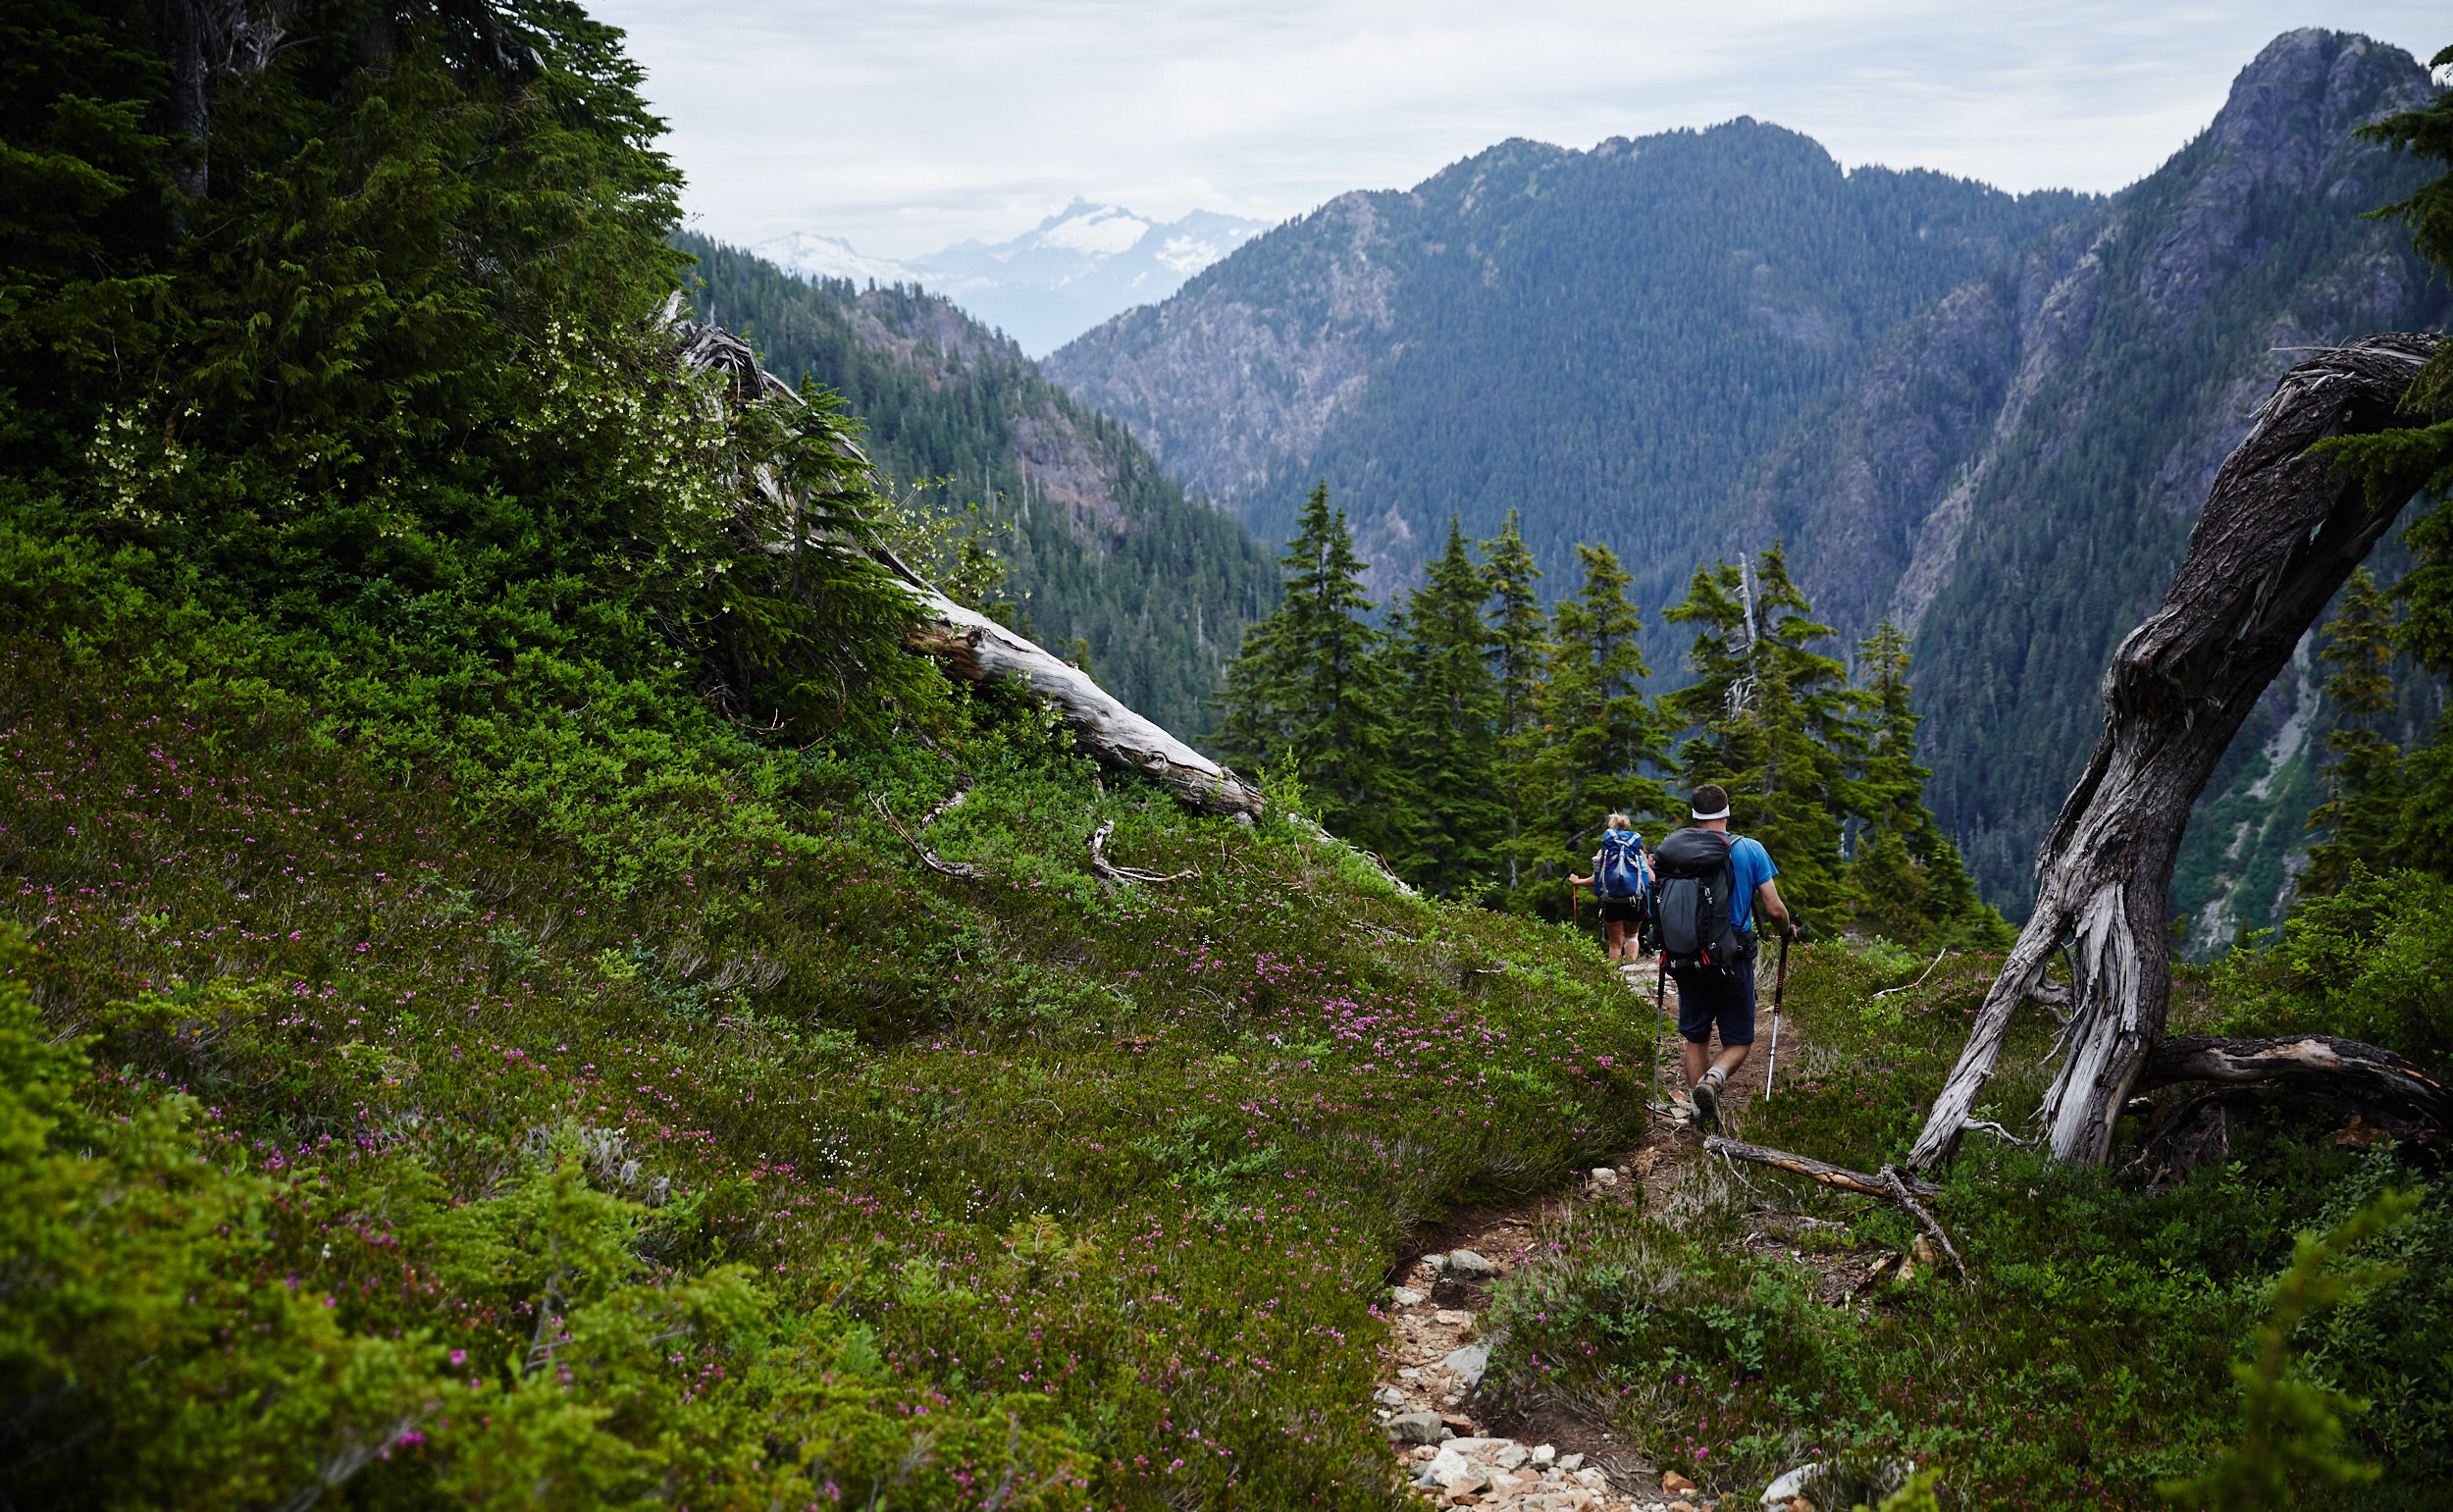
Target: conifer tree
(1720, 742)
(1774, 721)
(1891, 787)
(1309, 682)
(1447, 702)
(1520, 633)
(1519, 640)
(1815, 738)
(2391, 458)
(1910, 881)
(2356, 823)
(1598, 732)
(1893, 784)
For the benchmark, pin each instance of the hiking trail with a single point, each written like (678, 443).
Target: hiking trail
(1460, 1453)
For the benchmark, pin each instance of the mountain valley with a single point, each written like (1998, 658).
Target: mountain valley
(1991, 419)
(1101, 547)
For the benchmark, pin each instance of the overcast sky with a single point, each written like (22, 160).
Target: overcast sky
(905, 124)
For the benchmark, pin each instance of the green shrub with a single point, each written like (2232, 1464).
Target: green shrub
(2366, 962)
(2092, 1359)
(1079, 1179)
(2294, 1427)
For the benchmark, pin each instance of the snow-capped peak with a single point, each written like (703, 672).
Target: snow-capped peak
(1047, 285)
(831, 257)
(1100, 230)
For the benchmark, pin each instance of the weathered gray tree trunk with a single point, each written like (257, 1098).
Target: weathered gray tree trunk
(2280, 532)
(2319, 1059)
(201, 40)
(976, 649)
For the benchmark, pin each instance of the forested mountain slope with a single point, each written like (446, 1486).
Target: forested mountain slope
(1600, 339)
(1103, 546)
(2015, 472)
(1993, 420)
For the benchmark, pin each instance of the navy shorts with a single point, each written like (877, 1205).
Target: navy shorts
(1725, 999)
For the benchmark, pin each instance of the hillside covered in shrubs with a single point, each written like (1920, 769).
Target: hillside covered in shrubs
(491, 1012)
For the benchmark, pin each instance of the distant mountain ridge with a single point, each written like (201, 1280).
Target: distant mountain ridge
(1602, 339)
(1072, 271)
(1994, 419)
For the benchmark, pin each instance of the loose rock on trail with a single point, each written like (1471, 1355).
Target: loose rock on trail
(1455, 1452)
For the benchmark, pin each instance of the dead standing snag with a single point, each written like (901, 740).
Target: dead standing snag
(2280, 532)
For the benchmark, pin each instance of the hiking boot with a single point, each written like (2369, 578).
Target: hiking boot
(1706, 1096)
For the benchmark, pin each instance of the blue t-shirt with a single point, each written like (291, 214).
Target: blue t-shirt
(1753, 867)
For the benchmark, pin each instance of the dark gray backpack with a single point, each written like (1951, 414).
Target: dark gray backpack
(1693, 885)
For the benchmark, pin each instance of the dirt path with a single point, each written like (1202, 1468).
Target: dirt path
(1550, 1460)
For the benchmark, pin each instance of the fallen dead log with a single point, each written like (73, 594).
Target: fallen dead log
(1386, 872)
(1108, 871)
(964, 642)
(1890, 1183)
(1840, 1178)
(2282, 530)
(1898, 1185)
(2318, 1060)
(970, 646)
(976, 649)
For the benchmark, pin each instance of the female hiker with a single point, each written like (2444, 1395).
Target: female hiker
(1621, 877)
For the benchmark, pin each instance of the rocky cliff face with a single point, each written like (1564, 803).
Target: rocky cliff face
(1873, 494)
(1061, 462)
(1240, 370)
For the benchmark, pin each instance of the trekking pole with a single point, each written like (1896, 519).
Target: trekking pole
(1660, 992)
(1779, 985)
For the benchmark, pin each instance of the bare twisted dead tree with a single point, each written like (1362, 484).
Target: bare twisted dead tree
(2281, 531)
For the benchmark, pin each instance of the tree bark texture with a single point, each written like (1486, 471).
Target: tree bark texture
(2280, 532)
(2311, 1060)
(201, 40)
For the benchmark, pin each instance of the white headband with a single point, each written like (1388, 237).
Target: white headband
(1701, 815)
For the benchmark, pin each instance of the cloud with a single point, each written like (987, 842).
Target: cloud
(904, 124)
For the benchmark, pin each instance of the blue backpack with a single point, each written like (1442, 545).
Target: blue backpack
(1621, 872)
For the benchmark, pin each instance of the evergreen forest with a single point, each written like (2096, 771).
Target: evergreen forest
(1478, 744)
(531, 978)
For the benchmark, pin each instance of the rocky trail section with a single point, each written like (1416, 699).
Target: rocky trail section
(1455, 1451)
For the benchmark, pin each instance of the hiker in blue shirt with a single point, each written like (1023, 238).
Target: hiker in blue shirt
(1619, 864)
(1714, 965)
